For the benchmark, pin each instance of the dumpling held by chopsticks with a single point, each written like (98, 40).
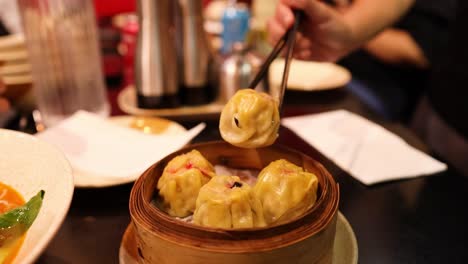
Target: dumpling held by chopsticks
(250, 119)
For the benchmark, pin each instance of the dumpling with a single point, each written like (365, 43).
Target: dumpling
(227, 202)
(285, 191)
(181, 181)
(250, 119)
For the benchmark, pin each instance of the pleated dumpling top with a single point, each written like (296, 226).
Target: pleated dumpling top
(181, 181)
(250, 119)
(285, 191)
(227, 202)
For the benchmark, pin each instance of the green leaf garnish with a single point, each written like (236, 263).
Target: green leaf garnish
(16, 222)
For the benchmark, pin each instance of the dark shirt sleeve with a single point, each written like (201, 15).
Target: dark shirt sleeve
(428, 22)
(448, 90)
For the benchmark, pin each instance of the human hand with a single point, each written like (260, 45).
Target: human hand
(4, 103)
(324, 34)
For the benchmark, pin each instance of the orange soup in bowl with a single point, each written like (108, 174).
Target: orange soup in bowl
(9, 199)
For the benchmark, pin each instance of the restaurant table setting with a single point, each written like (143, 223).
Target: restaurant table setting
(380, 197)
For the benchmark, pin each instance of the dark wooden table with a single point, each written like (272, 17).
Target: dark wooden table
(422, 220)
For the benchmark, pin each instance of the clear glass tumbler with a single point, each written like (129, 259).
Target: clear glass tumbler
(62, 41)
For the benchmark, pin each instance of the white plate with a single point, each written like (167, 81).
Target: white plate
(30, 165)
(17, 79)
(15, 69)
(345, 249)
(309, 75)
(13, 55)
(14, 41)
(89, 180)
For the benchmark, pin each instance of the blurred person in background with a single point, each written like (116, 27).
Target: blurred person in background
(373, 79)
(391, 70)
(328, 34)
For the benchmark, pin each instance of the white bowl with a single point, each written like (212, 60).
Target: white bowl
(29, 165)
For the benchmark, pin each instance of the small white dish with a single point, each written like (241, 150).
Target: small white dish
(150, 125)
(29, 165)
(309, 75)
(89, 180)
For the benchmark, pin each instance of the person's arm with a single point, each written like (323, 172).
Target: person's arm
(328, 34)
(397, 47)
(368, 17)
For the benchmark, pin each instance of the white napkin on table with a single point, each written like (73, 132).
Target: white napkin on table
(364, 149)
(93, 144)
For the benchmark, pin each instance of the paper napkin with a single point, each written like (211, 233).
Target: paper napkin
(95, 145)
(364, 149)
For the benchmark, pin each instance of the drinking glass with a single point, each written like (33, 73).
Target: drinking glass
(62, 41)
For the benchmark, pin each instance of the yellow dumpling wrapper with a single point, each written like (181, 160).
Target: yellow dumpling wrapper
(181, 181)
(227, 202)
(285, 191)
(250, 119)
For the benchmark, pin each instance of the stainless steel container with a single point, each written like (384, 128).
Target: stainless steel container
(156, 67)
(238, 70)
(195, 57)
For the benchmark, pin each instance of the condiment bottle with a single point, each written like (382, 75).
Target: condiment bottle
(195, 56)
(235, 21)
(156, 67)
(237, 71)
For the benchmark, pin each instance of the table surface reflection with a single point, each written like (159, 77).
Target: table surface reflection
(420, 220)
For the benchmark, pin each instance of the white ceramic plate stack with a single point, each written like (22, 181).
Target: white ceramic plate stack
(15, 70)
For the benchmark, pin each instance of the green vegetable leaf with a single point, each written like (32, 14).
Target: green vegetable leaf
(16, 222)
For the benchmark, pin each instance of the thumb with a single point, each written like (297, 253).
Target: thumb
(316, 11)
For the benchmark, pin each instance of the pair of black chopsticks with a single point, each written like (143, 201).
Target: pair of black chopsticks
(288, 39)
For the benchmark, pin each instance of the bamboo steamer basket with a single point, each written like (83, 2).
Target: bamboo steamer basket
(163, 239)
